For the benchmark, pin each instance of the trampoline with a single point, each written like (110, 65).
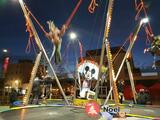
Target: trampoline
(62, 112)
(46, 113)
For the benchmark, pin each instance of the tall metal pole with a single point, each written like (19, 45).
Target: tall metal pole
(112, 74)
(79, 79)
(131, 80)
(32, 77)
(38, 42)
(107, 98)
(134, 37)
(106, 33)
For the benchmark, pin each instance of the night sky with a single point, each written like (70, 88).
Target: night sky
(89, 27)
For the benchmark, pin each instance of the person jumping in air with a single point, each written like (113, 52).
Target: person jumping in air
(55, 35)
(155, 46)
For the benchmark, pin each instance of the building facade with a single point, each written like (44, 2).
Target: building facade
(117, 57)
(18, 73)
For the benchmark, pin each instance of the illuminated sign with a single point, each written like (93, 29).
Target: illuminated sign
(5, 64)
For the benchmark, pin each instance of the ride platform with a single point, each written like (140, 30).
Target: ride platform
(82, 102)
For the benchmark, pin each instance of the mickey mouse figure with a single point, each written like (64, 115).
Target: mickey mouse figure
(86, 85)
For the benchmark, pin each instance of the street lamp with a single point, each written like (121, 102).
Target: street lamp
(144, 20)
(111, 73)
(134, 37)
(16, 84)
(72, 36)
(4, 50)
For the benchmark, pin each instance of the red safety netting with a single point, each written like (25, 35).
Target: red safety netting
(155, 91)
(127, 92)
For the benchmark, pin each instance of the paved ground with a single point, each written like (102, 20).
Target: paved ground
(4, 108)
(152, 111)
(60, 112)
(69, 113)
(46, 113)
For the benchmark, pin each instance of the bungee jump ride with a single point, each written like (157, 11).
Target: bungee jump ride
(89, 71)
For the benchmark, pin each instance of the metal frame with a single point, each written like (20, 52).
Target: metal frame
(41, 48)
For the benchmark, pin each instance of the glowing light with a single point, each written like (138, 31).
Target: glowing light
(16, 81)
(36, 79)
(20, 1)
(6, 87)
(73, 36)
(145, 20)
(5, 50)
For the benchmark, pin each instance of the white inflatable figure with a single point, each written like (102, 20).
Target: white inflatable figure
(90, 71)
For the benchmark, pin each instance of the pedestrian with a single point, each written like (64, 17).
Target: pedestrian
(120, 90)
(141, 97)
(13, 97)
(35, 91)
